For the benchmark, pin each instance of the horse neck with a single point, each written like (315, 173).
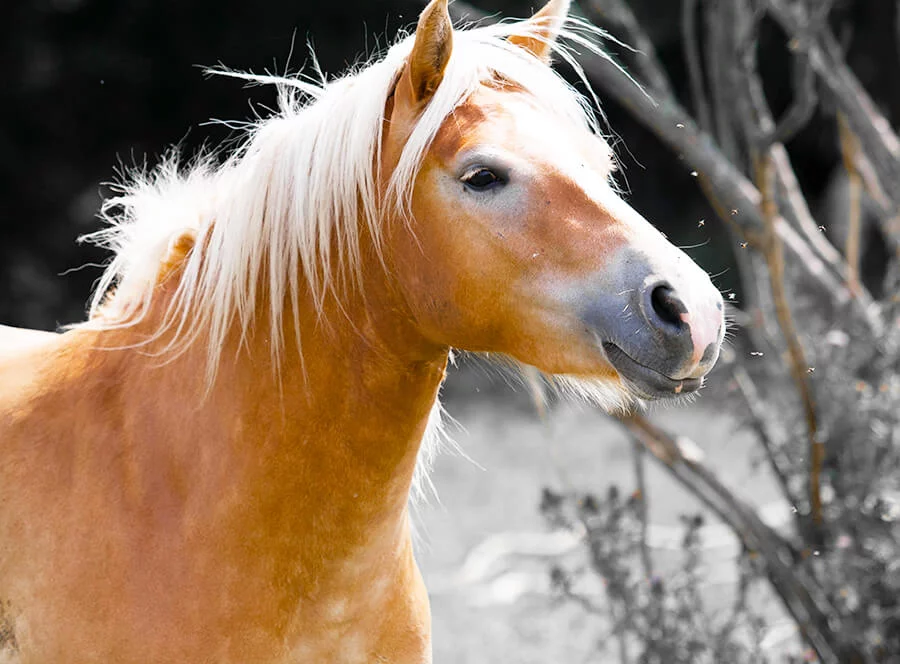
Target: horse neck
(326, 445)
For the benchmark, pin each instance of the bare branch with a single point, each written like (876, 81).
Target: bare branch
(800, 594)
(692, 60)
(878, 140)
(750, 268)
(640, 477)
(849, 150)
(619, 14)
(750, 102)
(622, 637)
(888, 216)
(760, 422)
(805, 98)
(764, 135)
(819, 256)
(798, 212)
(718, 56)
(775, 260)
(803, 103)
(584, 602)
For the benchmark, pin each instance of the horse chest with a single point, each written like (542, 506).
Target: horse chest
(383, 620)
(121, 587)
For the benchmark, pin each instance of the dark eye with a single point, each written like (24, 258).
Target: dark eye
(481, 179)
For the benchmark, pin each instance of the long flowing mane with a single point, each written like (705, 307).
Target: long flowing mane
(302, 182)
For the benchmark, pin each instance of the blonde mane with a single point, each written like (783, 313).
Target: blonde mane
(302, 182)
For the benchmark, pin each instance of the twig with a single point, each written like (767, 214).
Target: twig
(872, 129)
(775, 259)
(756, 302)
(849, 151)
(887, 211)
(761, 424)
(798, 212)
(584, 602)
(803, 104)
(624, 657)
(637, 452)
(739, 605)
(764, 135)
(888, 216)
(620, 604)
(647, 63)
(692, 61)
(804, 99)
(752, 115)
(801, 596)
(717, 14)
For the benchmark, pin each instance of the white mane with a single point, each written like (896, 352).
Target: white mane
(303, 181)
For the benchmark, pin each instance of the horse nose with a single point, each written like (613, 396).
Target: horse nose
(668, 307)
(687, 329)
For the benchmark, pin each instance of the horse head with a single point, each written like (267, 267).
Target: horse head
(517, 240)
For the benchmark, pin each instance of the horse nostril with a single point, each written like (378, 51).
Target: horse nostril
(667, 305)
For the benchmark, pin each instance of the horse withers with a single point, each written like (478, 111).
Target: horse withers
(216, 466)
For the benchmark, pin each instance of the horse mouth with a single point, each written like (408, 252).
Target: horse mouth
(646, 382)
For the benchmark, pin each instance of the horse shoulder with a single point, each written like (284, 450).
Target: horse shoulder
(47, 383)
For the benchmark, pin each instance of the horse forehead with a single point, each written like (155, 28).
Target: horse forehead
(511, 117)
(492, 113)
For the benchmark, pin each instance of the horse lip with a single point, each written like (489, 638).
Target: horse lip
(650, 383)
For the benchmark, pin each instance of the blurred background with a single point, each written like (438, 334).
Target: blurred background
(97, 86)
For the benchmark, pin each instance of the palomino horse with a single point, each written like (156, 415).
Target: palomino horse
(216, 466)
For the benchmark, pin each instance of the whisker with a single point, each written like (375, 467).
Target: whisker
(695, 246)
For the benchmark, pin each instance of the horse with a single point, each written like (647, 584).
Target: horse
(216, 465)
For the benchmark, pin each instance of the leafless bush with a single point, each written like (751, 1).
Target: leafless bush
(653, 619)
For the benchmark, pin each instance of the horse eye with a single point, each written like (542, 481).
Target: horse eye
(481, 179)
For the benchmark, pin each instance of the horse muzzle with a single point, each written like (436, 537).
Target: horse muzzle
(663, 336)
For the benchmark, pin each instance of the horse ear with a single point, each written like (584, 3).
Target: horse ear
(542, 29)
(431, 50)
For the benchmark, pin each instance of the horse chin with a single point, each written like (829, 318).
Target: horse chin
(645, 382)
(612, 396)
